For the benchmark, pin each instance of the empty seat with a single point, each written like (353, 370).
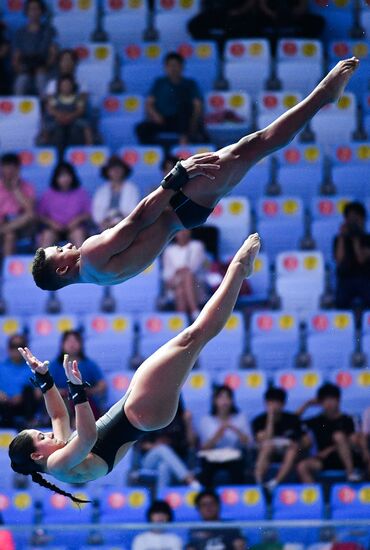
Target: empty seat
(17, 507)
(145, 161)
(38, 164)
(171, 20)
(119, 116)
(109, 340)
(274, 339)
(260, 283)
(181, 500)
(330, 339)
(366, 111)
(365, 330)
(232, 217)
(95, 68)
(300, 385)
(130, 503)
(19, 122)
(240, 502)
(350, 501)
(300, 280)
(140, 293)
(118, 384)
(355, 386)
(338, 15)
(300, 171)
(365, 19)
(254, 184)
(17, 275)
(201, 62)
(13, 14)
(228, 116)
(336, 122)
(359, 82)
(280, 224)
(196, 393)
(350, 169)
(45, 332)
(61, 509)
(80, 298)
(270, 105)
(186, 151)
(74, 20)
(9, 325)
(248, 386)
(327, 216)
(141, 64)
(130, 16)
(226, 348)
(158, 328)
(299, 64)
(88, 162)
(247, 65)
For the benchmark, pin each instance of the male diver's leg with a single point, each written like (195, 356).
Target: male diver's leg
(156, 386)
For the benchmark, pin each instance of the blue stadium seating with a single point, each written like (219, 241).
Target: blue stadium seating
(158, 328)
(17, 507)
(145, 162)
(226, 348)
(275, 339)
(171, 20)
(118, 383)
(201, 62)
(19, 122)
(247, 65)
(16, 275)
(139, 293)
(354, 384)
(254, 184)
(327, 216)
(271, 105)
(141, 64)
(9, 325)
(299, 64)
(336, 122)
(130, 16)
(259, 284)
(74, 21)
(88, 162)
(38, 164)
(181, 500)
(80, 299)
(243, 502)
(350, 501)
(119, 116)
(365, 341)
(338, 16)
(45, 332)
(347, 48)
(249, 388)
(13, 14)
(350, 169)
(228, 116)
(128, 504)
(366, 110)
(95, 68)
(300, 385)
(197, 393)
(60, 509)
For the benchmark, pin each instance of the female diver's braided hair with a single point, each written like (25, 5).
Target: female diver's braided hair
(20, 450)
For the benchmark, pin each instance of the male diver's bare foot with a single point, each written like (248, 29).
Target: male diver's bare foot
(335, 82)
(247, 253)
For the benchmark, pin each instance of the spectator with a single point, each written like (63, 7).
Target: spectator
(333, 433)
(157, 538)
(66, 122)
(183, 272)
(19, 401)
(72, 344)
(277, 434)
(174, 105)
(202, 538)
(224, 436)
(224, 19)
(34, 50)
(117, 198)
(5, 77)
(16, 203)
(66, 66)
(64, 209)
(352, 256)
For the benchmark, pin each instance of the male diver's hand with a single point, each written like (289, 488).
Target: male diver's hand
(203, 164)
(35, 364)
(71, 370)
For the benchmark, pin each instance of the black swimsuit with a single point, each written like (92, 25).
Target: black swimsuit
(189, 212)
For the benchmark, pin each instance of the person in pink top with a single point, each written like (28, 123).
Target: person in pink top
(64, 209)
(16, 203)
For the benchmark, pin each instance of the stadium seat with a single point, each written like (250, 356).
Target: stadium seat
(300, 171)
(274, 339)
(228, 116)
(181, 500)
(226, 348)
(300, 280)
(196, 393)
(365, 19)
(130, 16)
(141, 64)
(6, 436)
(129, 504)
(140, 293)
(359, 82)
(280, 224)
(110, 340)
(8, 327)
(330, 339)
(145, 161)
(247, 65)
(119, 116)
(118, 384)
(365, 332)
(17, 507)
(45, 333)
(254, 184)
(355, 386)
(201, 63)
(232, 217)
(38, 165)
(350, 501)
(366, 111)
(260, 283)
(13, 14)
(336, 122)
(300, 385)
(60, 509)
(95, 68)
(350, 169)
(75, 21)
(79, 299)
(17, 274)
(299, 64)
(186, 151)
(158, 328)
(271, 105)
(240, 502)
(338, 15)
(326, 214)
(88, 161)
(248, 386)
(171, 20)
(19, 122)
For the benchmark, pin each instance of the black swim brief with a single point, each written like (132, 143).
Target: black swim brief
(189, 212)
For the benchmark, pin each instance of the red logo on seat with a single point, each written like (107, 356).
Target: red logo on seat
(320, 322)
(290, 48)
(237, 49)
(326, 207)
(292, 155)
(290, 263)
(265, 322)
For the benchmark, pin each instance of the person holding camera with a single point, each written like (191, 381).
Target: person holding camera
(352, 257)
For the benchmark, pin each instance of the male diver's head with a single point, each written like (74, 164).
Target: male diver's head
(55, 266)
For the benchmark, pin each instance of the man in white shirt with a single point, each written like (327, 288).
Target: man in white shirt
(158, 539)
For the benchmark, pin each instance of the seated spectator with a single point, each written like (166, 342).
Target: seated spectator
(352, 257)
(72, 344)
(224, 436)
(183, 272)
(66, 124)
(5, 77)
(66, 66)
(209, 508)
(158, 538)
(164, 452)
(34, 50)
(16, 203)
(174, 105)
(277, 434)
(19, 400)
(224, 19)
(333, 434)
(64, 209)
(117, 198)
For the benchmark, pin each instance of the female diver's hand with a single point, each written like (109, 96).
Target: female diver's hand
(71, 370)
(35, 364)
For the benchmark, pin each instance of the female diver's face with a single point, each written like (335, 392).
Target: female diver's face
(45, 444)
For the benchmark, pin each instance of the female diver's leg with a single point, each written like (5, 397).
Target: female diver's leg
(156, 386)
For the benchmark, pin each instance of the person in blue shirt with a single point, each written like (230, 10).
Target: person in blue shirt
(19, 400)
(174, 104)
(72, 345)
